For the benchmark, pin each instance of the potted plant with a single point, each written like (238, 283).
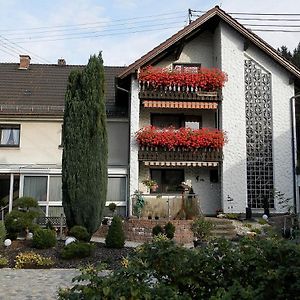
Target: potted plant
(201, 229)
(150, 184)
(112, 207)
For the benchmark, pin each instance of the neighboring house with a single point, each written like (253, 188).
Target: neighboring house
(253, 108)
(31, 115)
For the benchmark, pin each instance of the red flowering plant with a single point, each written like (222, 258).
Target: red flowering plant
(187, 138)
(205, 79)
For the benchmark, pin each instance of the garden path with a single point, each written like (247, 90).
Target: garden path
(34, 284)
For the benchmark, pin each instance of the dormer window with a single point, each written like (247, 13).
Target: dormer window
(9, 135)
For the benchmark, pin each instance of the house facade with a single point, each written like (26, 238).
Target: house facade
(253, 110)
(31, 117)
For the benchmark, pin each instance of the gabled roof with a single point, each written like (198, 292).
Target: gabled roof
(196, 25)
(42, 87)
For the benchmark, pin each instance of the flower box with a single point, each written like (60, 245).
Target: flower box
(164, 79)
(185, 138)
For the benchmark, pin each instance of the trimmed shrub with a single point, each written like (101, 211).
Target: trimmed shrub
(115, 237)
(26, 203)
(202, 228)
(80, 233)
(249, 269)
(169, 229)
(31, 260)
(44, 238)
(21, 219)
(3, 261)
(77, 250)
(157, 229)
(2, 232)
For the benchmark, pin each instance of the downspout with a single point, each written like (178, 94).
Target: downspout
(294, 152)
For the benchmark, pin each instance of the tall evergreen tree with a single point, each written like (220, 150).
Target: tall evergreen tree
(84, 163)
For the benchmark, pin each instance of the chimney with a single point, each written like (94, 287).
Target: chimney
(61, 62)
(24, 62)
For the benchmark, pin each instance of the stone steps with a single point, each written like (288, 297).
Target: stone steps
(223, 228)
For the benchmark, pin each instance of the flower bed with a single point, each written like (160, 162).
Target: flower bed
(190, 139)
(205, 79)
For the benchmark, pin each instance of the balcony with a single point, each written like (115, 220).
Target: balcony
(180, 155)
(164, 84)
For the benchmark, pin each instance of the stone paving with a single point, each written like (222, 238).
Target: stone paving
(34, 284)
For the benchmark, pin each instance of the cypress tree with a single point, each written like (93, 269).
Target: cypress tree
(84, 163)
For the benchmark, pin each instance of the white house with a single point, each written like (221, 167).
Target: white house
(253, 108)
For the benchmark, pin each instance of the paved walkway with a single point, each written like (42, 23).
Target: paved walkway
(34, 284)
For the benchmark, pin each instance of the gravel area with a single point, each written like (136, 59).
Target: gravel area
(111, 257)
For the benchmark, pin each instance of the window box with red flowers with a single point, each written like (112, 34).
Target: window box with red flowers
(164, 80)
(184, 138)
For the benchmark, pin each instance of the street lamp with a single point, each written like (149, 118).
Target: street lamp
(294, 147)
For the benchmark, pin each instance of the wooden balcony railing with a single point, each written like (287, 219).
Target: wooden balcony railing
(145, 94)
(179, 154)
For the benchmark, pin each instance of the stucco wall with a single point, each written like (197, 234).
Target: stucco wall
(39, 144)
(199, 50)
(282, 91)
(134, 127)
(234, 182)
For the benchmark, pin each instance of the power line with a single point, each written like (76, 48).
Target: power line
(95, 27)
(18, 47)
(102, 35)
(91, 33)
(93, 23)
(271, 25)
(252, 14)
(275, 30)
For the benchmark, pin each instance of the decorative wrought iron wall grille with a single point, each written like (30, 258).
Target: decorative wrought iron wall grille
(258, 136)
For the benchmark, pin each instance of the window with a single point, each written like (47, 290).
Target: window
(116, 189)
(187, 67)
(9, 135)
(176, 121)
(167, 120)
(168, 180)
(36, 187)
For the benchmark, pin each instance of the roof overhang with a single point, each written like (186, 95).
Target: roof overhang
(159, 51)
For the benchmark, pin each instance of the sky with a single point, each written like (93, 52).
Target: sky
(123, 30)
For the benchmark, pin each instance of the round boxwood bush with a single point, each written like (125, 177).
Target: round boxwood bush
(169, 230)
(115, 237)
(44, 238)
(77, 250)
(80, 233)
(157, 229)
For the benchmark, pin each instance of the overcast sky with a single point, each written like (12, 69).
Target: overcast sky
(123, 30)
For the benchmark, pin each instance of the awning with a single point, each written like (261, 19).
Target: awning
(180, 164)
(180, 104)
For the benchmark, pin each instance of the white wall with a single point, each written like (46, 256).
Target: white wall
(234, 181)
(234, 123)
(134, 127)
(282, 91)
(39, 144)
(199, 50)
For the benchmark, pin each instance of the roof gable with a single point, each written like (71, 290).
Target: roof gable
(196, 25)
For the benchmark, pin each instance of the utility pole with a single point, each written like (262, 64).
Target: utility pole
(190, 15)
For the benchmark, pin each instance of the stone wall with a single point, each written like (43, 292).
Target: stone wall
(140, 230)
